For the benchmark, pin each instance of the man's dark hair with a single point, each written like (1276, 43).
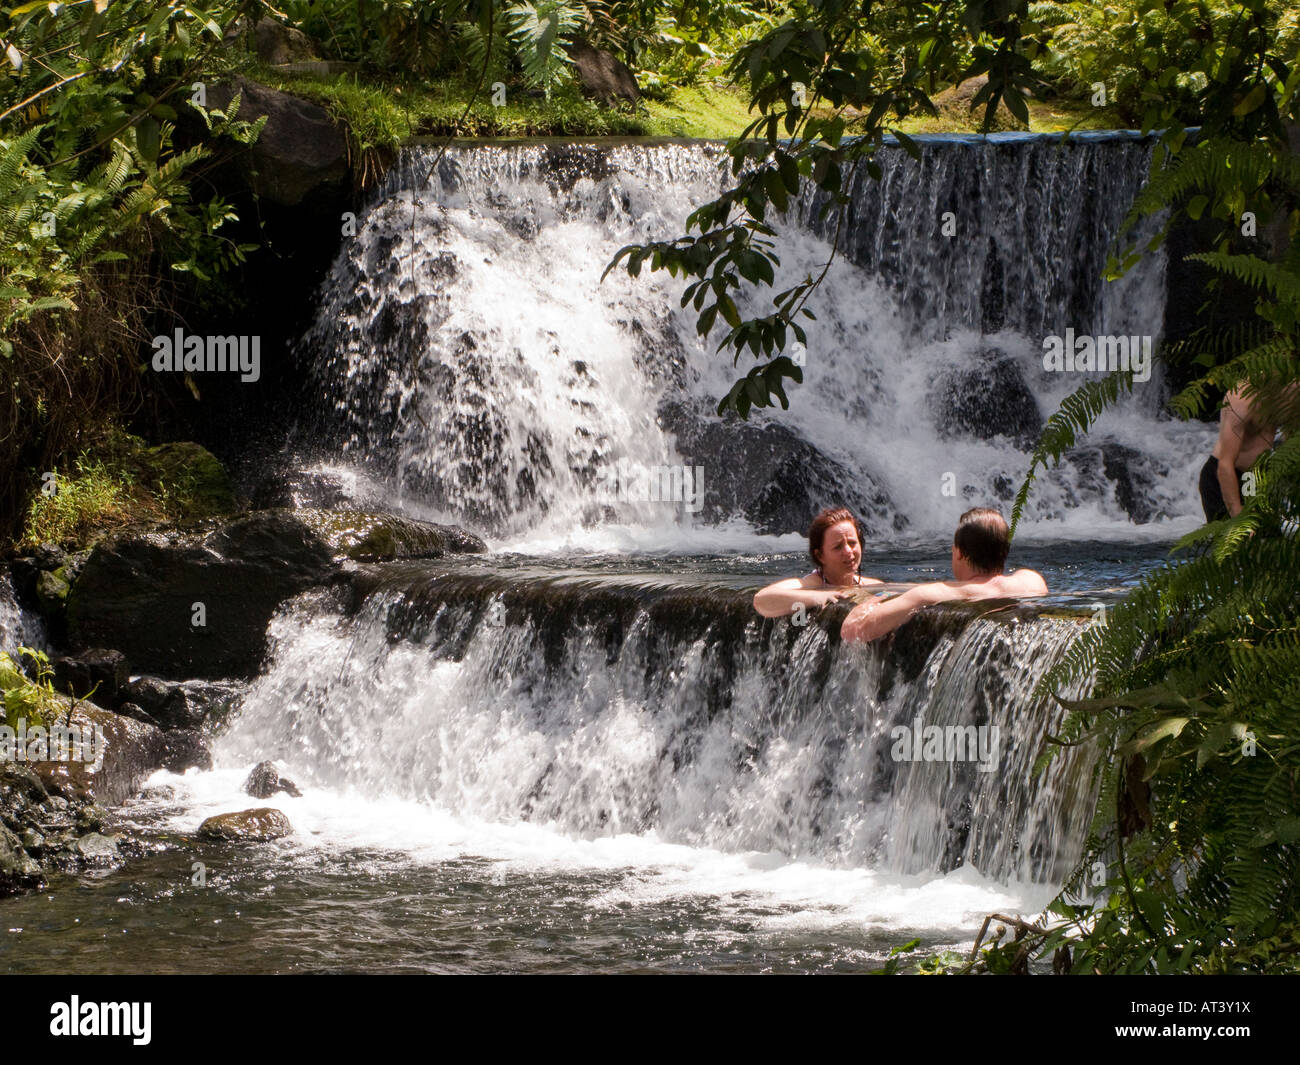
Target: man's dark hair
(983, 539)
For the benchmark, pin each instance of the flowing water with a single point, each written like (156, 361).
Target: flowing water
(585, 750)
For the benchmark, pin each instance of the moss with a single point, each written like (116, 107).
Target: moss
(365, 537)
(187, 480)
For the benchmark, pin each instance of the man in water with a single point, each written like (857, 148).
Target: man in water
(979, 555)
(1243, 437)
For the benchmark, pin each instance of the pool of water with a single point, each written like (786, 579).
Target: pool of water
(365, 886)
(372, 883)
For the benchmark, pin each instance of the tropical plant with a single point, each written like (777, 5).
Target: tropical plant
(96, 190)
(1197, 672)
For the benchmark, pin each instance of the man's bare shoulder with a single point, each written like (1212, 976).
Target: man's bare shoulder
(935, 592)
(1024, 582)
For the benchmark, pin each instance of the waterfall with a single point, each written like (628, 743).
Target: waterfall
(473, 366)
(18, 627)
(604, 706)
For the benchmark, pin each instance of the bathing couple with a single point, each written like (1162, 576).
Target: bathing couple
(979, 555)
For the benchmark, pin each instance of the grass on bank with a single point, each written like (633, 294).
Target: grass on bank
(383, 114)
(121, 481)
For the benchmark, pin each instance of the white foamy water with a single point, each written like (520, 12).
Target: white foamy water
(333, 824)
(478, 369)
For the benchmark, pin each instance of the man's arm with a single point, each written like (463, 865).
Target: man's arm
(870, 621)
(1231, 433)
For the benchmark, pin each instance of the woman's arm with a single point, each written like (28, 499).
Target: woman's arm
(779, 599)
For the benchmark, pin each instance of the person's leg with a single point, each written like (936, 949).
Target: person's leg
(1211, 494)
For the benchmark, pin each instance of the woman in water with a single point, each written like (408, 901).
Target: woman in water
(835, 544)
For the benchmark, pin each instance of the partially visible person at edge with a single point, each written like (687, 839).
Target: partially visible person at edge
(979, 556)
(1243, 437)
(835, 546)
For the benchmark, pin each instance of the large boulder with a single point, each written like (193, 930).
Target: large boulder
(986, 399)
(274, 42)
(195, 604)
(246, 826)
(782, 482)
(300, 150)
(367, 537)
(955, 104)
(602, 74)
(112, 755)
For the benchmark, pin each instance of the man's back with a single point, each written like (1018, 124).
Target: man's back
(1022, 582)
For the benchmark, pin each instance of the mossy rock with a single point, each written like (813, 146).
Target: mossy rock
(954, 104)
(52, 591)
(191, 479)
(368, 537)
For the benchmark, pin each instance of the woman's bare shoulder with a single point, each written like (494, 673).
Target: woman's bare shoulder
(790, 584)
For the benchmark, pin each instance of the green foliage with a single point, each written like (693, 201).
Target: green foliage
(1196, 675)
(1149, 54)
(95, 182)
(31, 700)
(536, 30)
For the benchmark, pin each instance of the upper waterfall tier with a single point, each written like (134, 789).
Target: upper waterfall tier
(471, 364)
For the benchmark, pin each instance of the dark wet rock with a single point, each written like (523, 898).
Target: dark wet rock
(1133, 475)
(130, 751)
(302, 488)
(51, 592)
(195, 604)
(987, 399)
(91, 818)
(265, 781)
(184, 749)
(130, 709)
(49, 556)
(72, 566)
(782, 481)
(19, 782)
(193, 704)
(248, 826)
(99, 670)
(148, 693)
(181, 704)
(23, 574)
(18, 871)
(301, 150)
(602, 75)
